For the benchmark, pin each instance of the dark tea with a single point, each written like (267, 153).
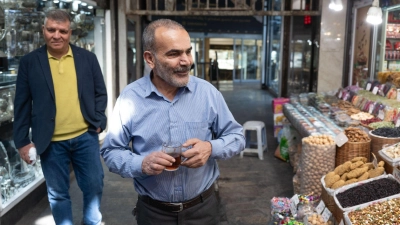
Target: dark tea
(176, 164)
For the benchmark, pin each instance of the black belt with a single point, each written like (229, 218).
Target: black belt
(177, 207)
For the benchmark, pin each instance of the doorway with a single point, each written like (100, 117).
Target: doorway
(228, 59)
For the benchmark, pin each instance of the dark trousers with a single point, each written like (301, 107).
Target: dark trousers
(204, 213)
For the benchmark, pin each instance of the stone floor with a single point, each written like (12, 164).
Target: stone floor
(245, 186)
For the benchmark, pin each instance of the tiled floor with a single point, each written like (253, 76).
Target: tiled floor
(245, 186)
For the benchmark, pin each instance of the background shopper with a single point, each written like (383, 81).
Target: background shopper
(61, 96)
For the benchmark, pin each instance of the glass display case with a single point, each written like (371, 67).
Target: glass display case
(390, 37)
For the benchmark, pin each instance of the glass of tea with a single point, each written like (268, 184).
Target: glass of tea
(173, 149)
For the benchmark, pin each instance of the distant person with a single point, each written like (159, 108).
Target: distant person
(170, 105)
(61, 95)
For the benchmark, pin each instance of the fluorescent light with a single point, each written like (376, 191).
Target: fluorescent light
(336, 5)
(83, 4)
(90, 7)
(374, 14)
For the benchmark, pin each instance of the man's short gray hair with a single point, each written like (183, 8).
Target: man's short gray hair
(57, 15)
(148, 37)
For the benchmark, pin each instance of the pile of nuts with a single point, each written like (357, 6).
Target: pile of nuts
(358, 169)
(386, 212)
(362, 116)
(393, 151)
(356, 135)
(317, 158)
(316, 219)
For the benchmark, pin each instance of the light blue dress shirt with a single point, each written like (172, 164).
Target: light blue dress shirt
(143, 116)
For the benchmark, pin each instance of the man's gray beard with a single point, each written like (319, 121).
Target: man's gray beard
(163, 73)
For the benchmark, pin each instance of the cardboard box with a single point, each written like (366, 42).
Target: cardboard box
(277, 104)
(278, 119)
(276, 130)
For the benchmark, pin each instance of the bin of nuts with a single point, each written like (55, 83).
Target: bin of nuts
(383, 211)
(356, 195)
(317, 159)
(359, 145)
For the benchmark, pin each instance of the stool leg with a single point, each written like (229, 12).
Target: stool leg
(264, 136)
(259, 145)
(247, 135)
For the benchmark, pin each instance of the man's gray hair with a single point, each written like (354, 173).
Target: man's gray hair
(148, 37)
(57, 15)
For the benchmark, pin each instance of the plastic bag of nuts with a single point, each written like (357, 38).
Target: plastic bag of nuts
(317, 158)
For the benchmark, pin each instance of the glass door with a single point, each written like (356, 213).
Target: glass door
(247, 55)
(274, 54)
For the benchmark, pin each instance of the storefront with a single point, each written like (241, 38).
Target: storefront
(374, 48)
(21, 32)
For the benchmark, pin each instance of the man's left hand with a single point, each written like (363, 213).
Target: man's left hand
(198, 155)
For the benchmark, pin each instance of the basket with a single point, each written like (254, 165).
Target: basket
(350, 150)
(377, 143)
(337, 213)
(328, 200)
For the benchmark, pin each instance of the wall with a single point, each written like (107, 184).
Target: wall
(330, 71)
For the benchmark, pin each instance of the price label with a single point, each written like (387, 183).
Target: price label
(326, 215)
(398, 95)
(340, 94)
(371, 108)
(398, 122)
(346, 96)
(381, 114)
(293, 204)
(368, 86)
(375, 90)
(320, 208)
(341, 139)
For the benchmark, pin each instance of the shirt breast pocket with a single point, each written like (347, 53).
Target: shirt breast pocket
(197, 130)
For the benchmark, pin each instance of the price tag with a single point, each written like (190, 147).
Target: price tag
(326, 214)
(381, 114)
(398, 122)
(293, 204)
(398, 95)
(341, 222)
(320, 207)
(341, 139)
(375, 90)
(346, 96)
(371, 108)
(340, 94)
(368, 86)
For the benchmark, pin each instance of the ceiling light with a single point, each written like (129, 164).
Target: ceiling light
(84, 4)
(374, 14)
(90, 7)
(336, 5)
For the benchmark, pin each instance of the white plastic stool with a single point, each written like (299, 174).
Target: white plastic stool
(259, 127)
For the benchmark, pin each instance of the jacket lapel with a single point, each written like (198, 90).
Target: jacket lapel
(44, 63)
(78, 67)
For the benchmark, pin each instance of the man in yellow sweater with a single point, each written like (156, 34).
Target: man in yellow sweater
(61, 96)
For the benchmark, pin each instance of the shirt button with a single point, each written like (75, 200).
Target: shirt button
(52, 119)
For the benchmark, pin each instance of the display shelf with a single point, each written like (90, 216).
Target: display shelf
(23, 192)
(309, 121)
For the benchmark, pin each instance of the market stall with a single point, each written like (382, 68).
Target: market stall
(349, 140)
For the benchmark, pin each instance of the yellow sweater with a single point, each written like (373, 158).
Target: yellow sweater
(69, 122)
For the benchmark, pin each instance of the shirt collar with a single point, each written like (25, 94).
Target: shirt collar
(69, 53)
(150, 88)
